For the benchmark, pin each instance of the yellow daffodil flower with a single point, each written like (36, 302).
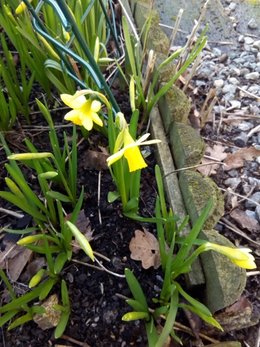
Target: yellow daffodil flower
(85, 111)
(130, 150)
(239, 256)
(21, 7)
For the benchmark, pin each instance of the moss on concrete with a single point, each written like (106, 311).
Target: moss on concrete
(142, 12)
(157, 39)
(225, 281)
(196, 191)
(168, 71)
(186, 145)
(174, 106)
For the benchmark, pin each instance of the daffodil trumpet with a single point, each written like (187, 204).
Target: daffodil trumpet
(130, 150)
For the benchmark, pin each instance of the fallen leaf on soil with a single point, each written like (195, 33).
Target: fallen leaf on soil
(144, 246)
(216, 152)
(244, 220)
(50, 318)
(95, 160)
(14, 258)
(236, 160)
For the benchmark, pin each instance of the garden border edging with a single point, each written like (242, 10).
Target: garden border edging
(190, 191)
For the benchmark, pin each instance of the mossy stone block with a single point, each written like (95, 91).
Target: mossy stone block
(157, 39)
(186, 144)
(142, 12)
(197, 191)
(225, 281)
(166, 72)
(174, 106)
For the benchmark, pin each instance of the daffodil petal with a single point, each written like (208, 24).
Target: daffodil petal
(87, 123)
(95, 106)
(115, 157)
(96, 119)
(75, 101)
(134, 159)
(74, 117)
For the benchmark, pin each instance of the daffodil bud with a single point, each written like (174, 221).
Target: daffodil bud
(29, 156)
(134, 316)
(120, 121)
(28, 239)
(21, 8)
(48, 175)
(36, 278)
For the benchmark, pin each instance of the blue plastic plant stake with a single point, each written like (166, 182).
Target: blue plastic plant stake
(69, 24)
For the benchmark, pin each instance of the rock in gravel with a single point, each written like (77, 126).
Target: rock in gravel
(256, 198)
(248, 40)
(245, 126)
(241, 140)
(253, 76)
(250, 214)
(257, 212)
(229, 89)
(235, 104)
(219, 83)
(241, 38)
(256, 44)
(252, 24)
(232, 182)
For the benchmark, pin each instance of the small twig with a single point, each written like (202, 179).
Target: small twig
(176, 27)
(194, 167)
(252, 273)
(100, 267)
(11, 213)
(98, 202)
(77, 342)
(233, 228)
(239, 195)
(249, 94)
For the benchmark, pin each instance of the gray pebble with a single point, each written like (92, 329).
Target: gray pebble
(250, 214)
(234, 81)
(218, 83)
(252, 76)
(233, 173)
(241, 38)
(235, 104)
(229, 89)
(245, 126)
(232, 6)
(257, 212)
(232, 182)
(241, 140)
(252, 24)
(256, 44)
(254, 89)
(255, 197)
(244, 71)
(249, 40)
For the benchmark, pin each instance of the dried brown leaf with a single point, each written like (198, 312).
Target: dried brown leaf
(14, 258)
(216, 152)
(244, 220)
(144, 246)
(236, 160)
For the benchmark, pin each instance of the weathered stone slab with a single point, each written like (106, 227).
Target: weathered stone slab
(197, 191)
(225, 281)
(186, 144)
(171, 184)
